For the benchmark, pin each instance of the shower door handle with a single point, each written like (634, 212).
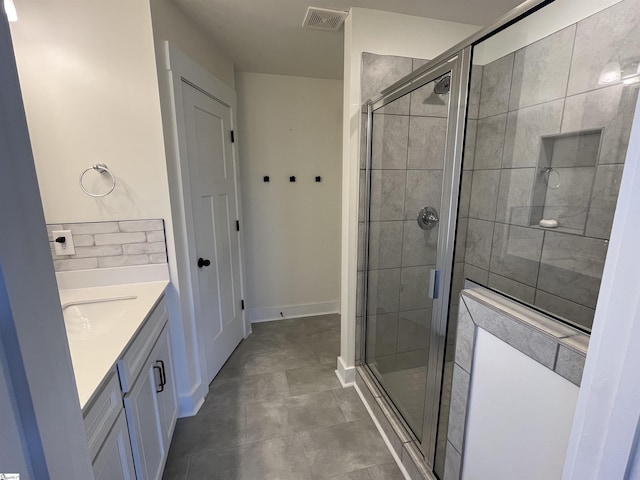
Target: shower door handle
(434, 284)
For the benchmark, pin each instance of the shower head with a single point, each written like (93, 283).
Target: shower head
(443, 85)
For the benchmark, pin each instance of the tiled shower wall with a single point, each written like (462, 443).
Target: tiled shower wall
(547, 89)
(111, 244)
(408, 150)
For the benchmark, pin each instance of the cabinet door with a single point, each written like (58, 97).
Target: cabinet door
(141, 406)
(167, 398)
(114, 460)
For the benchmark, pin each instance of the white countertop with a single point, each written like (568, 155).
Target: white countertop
(93, 357)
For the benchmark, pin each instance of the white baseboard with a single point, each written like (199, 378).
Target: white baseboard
(346, 375)
(189, 403)
(293, 311)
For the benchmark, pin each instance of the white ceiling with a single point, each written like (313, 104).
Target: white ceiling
(266, 35)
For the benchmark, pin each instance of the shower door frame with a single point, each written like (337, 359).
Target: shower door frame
(459, 64)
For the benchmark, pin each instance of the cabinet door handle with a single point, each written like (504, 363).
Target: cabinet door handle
(161, 384)
(163, 373)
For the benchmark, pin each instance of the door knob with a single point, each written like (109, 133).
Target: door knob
(203, 262)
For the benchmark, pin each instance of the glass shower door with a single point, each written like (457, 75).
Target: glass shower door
(407, 231)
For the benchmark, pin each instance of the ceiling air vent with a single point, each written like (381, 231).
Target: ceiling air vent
(324, 19)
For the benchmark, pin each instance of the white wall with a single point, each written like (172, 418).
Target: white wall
(90, 84)
(290, 126)
(519, 415)
(544, 22)
(382, 33)
(99, 103)
(35, 354)
(170, 23)
(88, 78)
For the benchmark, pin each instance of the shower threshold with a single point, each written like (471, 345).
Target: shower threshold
(399, 437)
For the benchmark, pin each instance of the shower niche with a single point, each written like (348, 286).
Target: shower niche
(564, 181)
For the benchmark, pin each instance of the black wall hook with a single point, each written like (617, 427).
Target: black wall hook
(318, 179)
(292, 178)
(265, 178)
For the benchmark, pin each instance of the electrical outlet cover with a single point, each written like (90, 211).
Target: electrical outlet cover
(66, 247)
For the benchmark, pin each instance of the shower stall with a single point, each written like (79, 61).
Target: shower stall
(496, 164)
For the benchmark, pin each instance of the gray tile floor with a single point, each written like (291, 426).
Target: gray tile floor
(277, 411)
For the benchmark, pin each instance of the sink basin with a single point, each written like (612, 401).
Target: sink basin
(88, 319)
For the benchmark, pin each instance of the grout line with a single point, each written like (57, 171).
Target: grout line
(544, 238)
(573, 49)
(514, 281)
(186, 473)
(538, 104)
(513, 66)
(504, 139)
(493, 231)
(479, 89)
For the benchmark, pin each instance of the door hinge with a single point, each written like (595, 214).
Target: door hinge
(237, 225)
(242, 304)
(233, 137)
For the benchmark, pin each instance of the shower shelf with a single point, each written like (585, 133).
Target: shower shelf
(565, 175)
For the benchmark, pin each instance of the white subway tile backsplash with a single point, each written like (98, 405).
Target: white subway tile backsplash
(91, 228)
(123, 261)
(83, 240)
(120, 238)
(112, 244)
(158, 257)
(98, 251)
(136, 248)
(75, 264)
(141, 225)
(157, 236)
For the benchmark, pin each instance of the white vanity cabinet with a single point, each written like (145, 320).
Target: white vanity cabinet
(131, 417)
(114, 461)
(107, 433)
(151, 408)
(167, 398)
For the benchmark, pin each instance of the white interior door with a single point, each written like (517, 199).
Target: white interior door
(213, 196)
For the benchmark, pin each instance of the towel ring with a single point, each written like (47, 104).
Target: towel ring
(102, 169)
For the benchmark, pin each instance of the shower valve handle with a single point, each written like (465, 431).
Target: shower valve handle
(428, 218)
